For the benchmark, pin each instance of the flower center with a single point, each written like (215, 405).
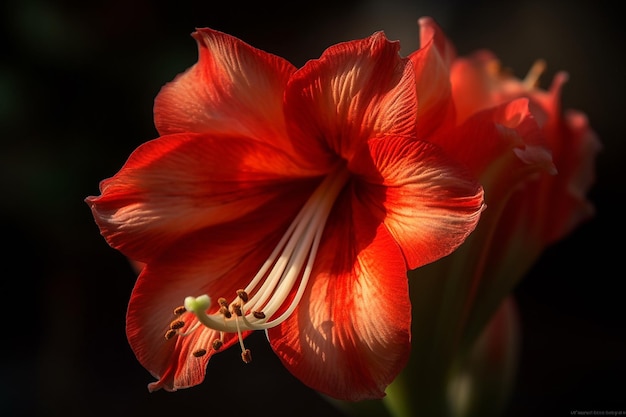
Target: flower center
(261, 304)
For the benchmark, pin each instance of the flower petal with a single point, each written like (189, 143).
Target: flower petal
(216, 261)
(432, 64)
(177, 184)
(575, 146)
(349, 336)
(429, 203)
(473, 78)
(503, 146)
(354, 91)
(552, 206)
(233, 88)
(578, 168)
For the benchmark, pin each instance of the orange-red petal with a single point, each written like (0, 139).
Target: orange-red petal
(551, 206)
(428, 202)
(502, 146)
(178, 184)
(354, 91)
(350, 335)
(234, 89)
(432, 65)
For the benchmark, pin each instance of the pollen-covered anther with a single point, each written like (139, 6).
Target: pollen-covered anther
(246, 356)
(199, 353)
(222, 302)
(177, 324)
(258, 314)
(226, 312)
(179, 310)
(217, 344)
(237, 309)
(243, 295)
(170, 334)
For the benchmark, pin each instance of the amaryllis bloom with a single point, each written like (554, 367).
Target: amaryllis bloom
(286, 200)
(479, 82)
(541, 206)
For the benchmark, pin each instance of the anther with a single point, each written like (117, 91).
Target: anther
(177, 324)
(217, 344)
(179, 310)
(237, 309)
(222, 301)
(199, 353)
(169, 334)
(258, 314)
(224, 310)
(243, 295)
(246, 356)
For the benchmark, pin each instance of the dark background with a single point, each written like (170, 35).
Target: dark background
(77, 83)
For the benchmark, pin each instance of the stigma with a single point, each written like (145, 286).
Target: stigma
(273, 293)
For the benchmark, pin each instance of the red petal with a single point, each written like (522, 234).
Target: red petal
(432, 64)
(182, 183)
(349, 337)
(356, 90)
(233, 88)
(551, 206)
(501, 145)
(574, 147)
(431, 35)
(576, 161)
(474, 79)
(429, 203)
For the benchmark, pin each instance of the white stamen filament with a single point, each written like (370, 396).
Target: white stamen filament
(291, 263)
(532, 77)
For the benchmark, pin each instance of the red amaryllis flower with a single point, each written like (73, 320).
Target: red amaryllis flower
(551, 206)
(533, 208)
(287, 200)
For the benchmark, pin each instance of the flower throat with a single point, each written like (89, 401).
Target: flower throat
(288, 267)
